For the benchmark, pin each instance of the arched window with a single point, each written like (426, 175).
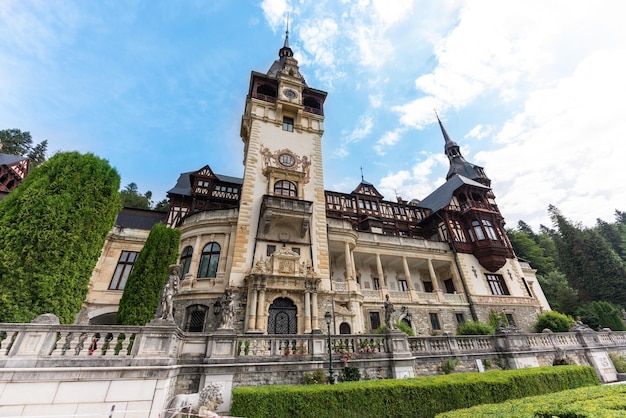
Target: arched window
(196, 318)
(285, 188)
(208, 261)
(185, 259)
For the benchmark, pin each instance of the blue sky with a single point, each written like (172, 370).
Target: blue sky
(531, 90)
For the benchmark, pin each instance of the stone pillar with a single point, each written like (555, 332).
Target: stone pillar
(221, 265)
(407, 277)
(260, 311)
(252, 297)
(381, 273)
(433, 275)
(195, 257)
(348, 257)
(307, 311)
(314, 312)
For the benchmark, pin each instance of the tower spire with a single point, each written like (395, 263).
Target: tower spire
(286, 51)
(458, 164)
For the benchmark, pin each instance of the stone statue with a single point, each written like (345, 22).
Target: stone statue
(202, 404)
(227, 310)
(389, 310)
(169, 291)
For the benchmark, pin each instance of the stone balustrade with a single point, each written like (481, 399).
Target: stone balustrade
(162, 358)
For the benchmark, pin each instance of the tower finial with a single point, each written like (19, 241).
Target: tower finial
(287, 33)
(361, 173)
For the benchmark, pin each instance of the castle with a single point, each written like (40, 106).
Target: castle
(290, 251)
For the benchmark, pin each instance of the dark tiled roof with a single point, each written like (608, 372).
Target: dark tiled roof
(7, 159)
(183, 184)
(441, 197)
(139, 218)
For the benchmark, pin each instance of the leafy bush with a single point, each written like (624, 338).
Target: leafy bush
(495, 319)
(400, 325)
(449, 365)
(596, 401)
(420, 397)
(552, 320)
(406, 328)
(474, 328)
(350, 374)
(619, 362)
(315, 378)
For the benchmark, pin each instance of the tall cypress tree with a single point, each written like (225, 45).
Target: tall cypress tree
(145, 283)
(52, 229)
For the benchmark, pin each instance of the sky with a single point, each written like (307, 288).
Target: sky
(533, 91)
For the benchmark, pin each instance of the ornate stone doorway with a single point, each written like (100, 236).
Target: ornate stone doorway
(282, 317)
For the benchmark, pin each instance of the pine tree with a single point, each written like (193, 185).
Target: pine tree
(52, 229)
(589, 262)
(144, 286)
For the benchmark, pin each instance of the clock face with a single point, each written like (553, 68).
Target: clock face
(290, 94)
(286, 159)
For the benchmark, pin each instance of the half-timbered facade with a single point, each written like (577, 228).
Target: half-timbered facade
(13, 169)
(290, 251)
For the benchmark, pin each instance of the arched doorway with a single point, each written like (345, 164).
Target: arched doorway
(344, 328)
(282, 317)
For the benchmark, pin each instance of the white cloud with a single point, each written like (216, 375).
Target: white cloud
(275, 12)
(388, 139)
(363, 129)
(565, 148)
(479, 132)
(416, 183)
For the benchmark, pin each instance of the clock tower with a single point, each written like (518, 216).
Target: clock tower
(280, 255)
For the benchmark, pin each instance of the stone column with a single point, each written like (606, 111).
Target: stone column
(260, 311)
(433, 276)
(307, 311)
(381, 273)
(348, 257)
(252, 297)
(195, 257)
(407, 276)
(314, 313)
(221, 265)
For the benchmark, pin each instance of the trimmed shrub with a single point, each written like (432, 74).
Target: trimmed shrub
(596, 401)
(52, 229)
(474, 328)
(314, 378)
(552, 320)
(350, 374)
(420, 397)
(142, 292)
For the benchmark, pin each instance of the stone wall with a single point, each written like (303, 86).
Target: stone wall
(78, 369)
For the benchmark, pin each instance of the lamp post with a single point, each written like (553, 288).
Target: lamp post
(331, 378)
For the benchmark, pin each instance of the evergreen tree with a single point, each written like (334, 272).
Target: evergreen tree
(52, 229)
(527, 248)
(561, 296)
(142, 292)
(131, 198)
(16, 142)
(589, 262)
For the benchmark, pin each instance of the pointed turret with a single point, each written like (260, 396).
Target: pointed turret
(286, 64)
(458, 164)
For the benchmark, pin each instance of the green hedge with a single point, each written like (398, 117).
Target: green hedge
(420, 397)
(589, 402)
